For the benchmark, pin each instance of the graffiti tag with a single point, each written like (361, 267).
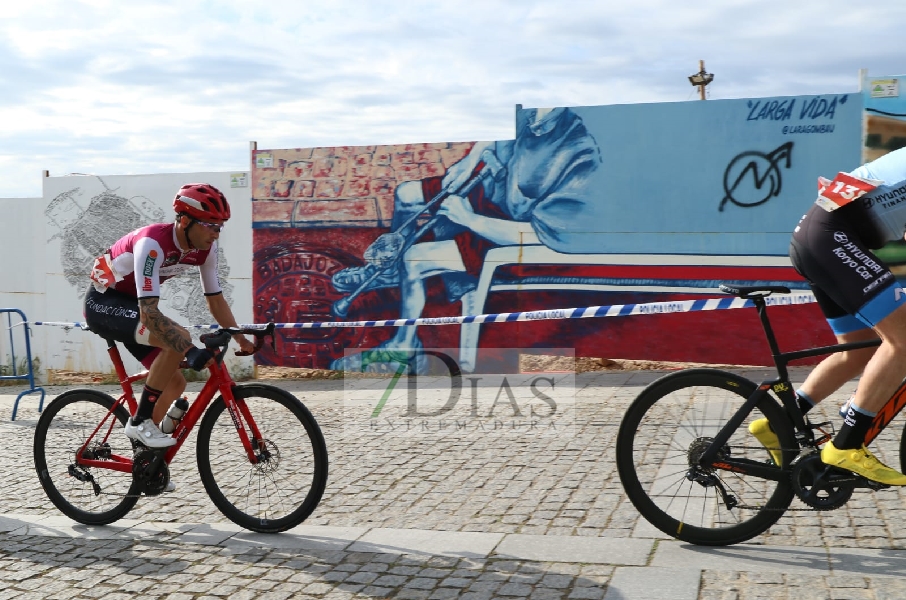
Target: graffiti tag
(782, 110)
(752, 178)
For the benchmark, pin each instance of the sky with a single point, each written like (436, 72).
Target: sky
(111, 87)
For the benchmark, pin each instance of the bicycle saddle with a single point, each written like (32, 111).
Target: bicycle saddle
(753, 291)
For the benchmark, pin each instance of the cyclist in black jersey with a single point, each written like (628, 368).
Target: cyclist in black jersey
(831, 247)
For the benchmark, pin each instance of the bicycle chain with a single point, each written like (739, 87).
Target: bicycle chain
(788, 509)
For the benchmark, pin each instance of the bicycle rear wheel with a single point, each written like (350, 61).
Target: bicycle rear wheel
(283, 488)
(93, 496)
(666, 429)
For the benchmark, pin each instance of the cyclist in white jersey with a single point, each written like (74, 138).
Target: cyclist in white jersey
(122, 302)
(861, 299)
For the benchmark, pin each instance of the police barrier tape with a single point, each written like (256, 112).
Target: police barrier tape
(588, 312)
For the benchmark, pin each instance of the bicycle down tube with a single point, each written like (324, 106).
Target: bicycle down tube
(221, 381)
(781, 387)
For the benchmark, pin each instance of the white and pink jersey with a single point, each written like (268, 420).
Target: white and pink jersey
(143, 259)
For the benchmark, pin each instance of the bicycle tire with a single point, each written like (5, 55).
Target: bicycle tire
(656, 442)
(250, 495)
(903, 450)
(61, 431)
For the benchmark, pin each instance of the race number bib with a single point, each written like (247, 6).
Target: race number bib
(842, 190)
(102, 273)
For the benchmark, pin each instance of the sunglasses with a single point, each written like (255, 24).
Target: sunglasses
(211, 226)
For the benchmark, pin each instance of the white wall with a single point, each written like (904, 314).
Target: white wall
(21, 270)
(50, 243)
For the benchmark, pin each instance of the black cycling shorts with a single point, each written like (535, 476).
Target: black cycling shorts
(853, 287)
(115, 316)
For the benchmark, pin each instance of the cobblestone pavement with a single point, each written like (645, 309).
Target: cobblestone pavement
(518, 482)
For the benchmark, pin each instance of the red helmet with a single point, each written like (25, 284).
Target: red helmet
(202, 201)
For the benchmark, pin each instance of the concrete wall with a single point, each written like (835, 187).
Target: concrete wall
(696, 180)
(719, 184)
(51, 242)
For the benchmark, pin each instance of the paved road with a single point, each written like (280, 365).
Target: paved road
(470, 510)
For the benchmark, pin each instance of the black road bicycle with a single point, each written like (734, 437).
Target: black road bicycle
(690, 466)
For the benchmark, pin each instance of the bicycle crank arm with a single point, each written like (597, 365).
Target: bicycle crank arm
(841, 477)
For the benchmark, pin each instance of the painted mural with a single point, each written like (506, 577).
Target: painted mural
(584, 206)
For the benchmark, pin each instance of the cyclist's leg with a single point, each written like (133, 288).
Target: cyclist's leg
(844, 275)
(114, 315)
(173, 390)
(837, 369)
(885, 371)
(857, 308)
(831, 252)
(163, 371)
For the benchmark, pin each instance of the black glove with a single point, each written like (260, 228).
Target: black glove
(198, 358)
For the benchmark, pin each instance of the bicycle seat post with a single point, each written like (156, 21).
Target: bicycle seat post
(762, 306)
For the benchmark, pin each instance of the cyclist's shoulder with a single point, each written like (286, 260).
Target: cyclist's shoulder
(890, 168)
(162, 233)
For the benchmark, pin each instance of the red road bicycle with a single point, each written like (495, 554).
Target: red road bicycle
(261, 455)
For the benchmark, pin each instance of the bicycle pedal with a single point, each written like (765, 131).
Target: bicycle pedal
(138, 448)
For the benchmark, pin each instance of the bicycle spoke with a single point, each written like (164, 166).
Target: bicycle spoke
(280, 491)
(92, 495)
(663, 435)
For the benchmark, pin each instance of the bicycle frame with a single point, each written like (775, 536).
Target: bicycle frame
(782, 388)
(220, 380)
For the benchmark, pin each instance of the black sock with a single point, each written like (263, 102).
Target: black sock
(805, 402)
(145, 405)
(852, 433)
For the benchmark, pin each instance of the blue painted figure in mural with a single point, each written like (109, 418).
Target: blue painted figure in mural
(530, 189)
(861, 299)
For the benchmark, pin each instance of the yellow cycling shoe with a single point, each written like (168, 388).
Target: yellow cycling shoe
(861, 462)
(762, 431)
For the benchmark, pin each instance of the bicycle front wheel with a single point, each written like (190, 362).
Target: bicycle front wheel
(89, 495)
(664, 432)
(283, 488)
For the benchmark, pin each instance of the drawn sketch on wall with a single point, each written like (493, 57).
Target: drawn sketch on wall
(87, 227)
(502, 193)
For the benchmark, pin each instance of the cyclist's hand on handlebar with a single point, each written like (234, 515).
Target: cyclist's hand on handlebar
(246, 347)
(199, 358)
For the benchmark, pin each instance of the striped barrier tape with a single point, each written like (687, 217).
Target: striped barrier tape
(588, 312)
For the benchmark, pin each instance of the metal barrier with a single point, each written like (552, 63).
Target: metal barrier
(30, 374)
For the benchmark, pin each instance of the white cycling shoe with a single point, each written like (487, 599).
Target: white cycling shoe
(148, 434)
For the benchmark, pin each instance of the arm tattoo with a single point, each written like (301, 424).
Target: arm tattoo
(162, 326)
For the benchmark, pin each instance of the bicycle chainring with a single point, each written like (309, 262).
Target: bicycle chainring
(151, 483)
(813, 482)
